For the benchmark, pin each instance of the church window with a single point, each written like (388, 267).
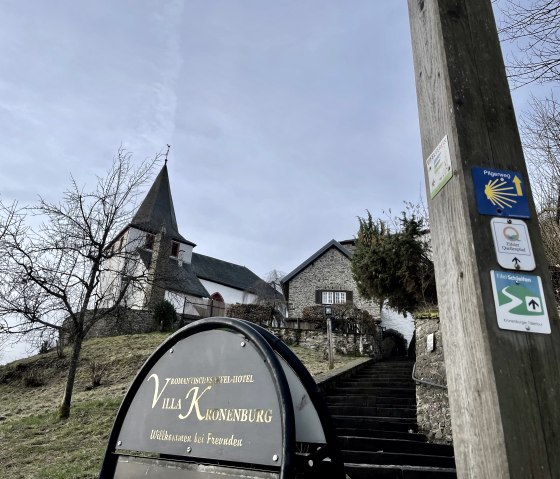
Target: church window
(175, 249)
(217, 297)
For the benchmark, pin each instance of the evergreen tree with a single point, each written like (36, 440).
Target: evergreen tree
(394, 267)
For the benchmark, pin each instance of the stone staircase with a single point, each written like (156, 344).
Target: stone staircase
(374, 413)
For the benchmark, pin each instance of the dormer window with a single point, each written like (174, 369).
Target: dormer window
(175, 249)
(149, 243)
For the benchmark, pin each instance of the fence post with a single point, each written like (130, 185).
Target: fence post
(330, 342)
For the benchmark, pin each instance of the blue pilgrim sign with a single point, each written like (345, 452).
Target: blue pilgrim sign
(500, 193)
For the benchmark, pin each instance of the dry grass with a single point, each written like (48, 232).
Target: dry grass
(36, 444)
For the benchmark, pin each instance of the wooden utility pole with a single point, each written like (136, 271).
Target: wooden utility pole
(504, 380)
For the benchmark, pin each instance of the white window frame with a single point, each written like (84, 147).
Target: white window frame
(333, 297)
(327, 297)
(339, 297)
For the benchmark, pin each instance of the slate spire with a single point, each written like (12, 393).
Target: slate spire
(157, 211)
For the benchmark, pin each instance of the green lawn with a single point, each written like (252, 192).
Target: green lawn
(36, 444)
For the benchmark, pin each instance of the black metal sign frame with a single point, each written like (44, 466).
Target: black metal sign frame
(331, 448)
(274, 354)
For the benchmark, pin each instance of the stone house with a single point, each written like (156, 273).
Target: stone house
(326, 278)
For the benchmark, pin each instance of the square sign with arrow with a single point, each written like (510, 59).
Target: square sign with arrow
(519, 302)
(500, 193)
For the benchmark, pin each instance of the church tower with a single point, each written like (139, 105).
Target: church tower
(155, 218)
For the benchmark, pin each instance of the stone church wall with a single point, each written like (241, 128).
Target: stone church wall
(131, 321)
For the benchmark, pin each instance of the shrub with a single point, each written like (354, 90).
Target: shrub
(347, 317)
(32, 378)
(256, 313)
(97, 370)
(313, 314)
(164, 315)
(45, 347)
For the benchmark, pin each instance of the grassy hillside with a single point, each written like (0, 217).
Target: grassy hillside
(36, 444)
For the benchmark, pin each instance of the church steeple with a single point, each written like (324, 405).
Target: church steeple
(157, 211)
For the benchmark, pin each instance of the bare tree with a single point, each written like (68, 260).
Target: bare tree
(541, 141)
(533, 27)
(274, 278)
(269, 293)
(50, 274)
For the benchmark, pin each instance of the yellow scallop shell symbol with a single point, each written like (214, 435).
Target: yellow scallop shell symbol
(500, 193)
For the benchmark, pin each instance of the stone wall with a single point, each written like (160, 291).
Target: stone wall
(433, 414)
(331, 271)
(129, 321)
(141, 321)
(344, 343)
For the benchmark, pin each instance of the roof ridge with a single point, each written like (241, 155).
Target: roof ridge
(331, 244)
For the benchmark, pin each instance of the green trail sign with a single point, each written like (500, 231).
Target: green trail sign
(519, 301)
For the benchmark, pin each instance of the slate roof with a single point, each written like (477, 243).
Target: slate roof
(157, 210)
(186, 278)
(331, 244)
(181, 279)
(230, 274)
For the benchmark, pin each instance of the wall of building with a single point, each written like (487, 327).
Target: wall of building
(391, 319)
(433, 414)
(331, 271)
(187, 304)
(110, 283)
(230, 295)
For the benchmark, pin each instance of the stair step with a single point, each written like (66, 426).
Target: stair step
(373, 371)
(377, 370)
(381, 434)
(395, 458)
(374, 415)
(377, 411)
(379, 391)
(401, 446)
(370, 401)
(377, 383)
(378, 378)
(378, 423)
(368, 471)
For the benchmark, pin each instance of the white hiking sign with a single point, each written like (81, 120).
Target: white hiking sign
(512, 243)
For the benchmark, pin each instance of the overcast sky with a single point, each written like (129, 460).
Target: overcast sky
(286, 119)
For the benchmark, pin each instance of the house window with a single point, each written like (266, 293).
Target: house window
(339, 297)
(333, 297)
(328, 297)
(175, 249)
(149, 243)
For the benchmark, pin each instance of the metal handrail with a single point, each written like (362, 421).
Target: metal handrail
(423, 381)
